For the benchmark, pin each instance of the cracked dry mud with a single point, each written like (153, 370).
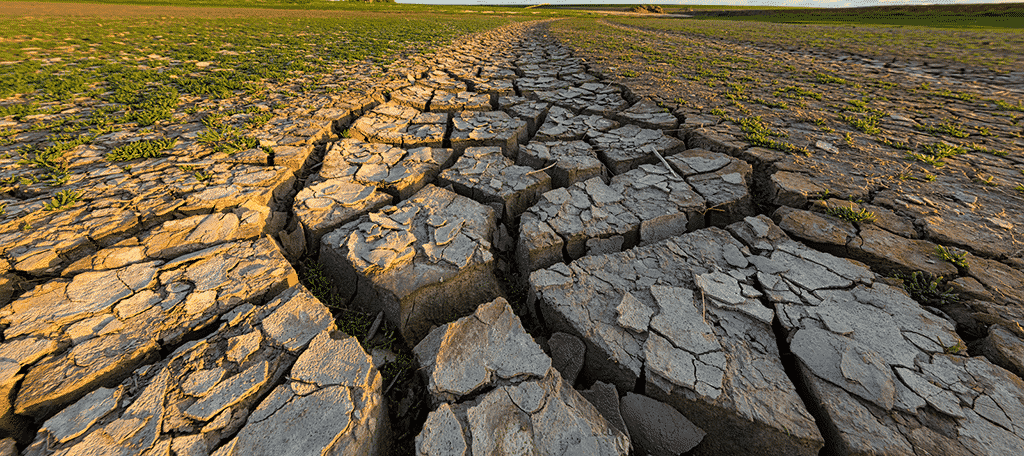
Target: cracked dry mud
(684, 291)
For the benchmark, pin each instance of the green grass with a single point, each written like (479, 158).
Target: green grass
(943, 16)
(846, 213)
(948, 128)
(141, 149)
(62, 200)
(957, 258)
(972, 39)
(759, 134)
(69, 79)
(928, 289)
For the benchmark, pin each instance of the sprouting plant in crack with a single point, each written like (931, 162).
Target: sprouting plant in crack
(149, 148)
(958, 259)
(202, 177)
(62, 200)
(954, 349)
(847, 213)
(371, 334)
(928, 289)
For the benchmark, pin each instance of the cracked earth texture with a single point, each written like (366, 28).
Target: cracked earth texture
(579, 262)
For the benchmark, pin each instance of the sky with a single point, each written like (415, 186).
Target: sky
(819, 3)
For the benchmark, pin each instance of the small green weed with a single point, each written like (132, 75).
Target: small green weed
(948, 128)
(18, 110)
(958, 259)
(867, 125)
(149, 148)
(824, 78)
(954, 349)
(760, 135)
(846, 213)
(989, 181)
(797, 93)
(926, 158)
(928, 289)
(62, 200)
(771, 104)
(1009, 107)
(258, 120)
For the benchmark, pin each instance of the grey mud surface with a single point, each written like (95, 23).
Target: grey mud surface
(569, 262)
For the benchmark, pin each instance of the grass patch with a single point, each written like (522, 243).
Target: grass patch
(989, 38)
(824, 78)
(150, 148)
(125, 68)
(846, 213)
(867, 124)
(759, 134)
(64, 199)
(796, 93)
(948, 128)
(928, 289)
(958, 259)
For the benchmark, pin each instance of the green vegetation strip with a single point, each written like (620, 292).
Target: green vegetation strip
(67, 80)
(997, 49)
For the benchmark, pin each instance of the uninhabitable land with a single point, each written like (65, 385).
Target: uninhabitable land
(850, 98)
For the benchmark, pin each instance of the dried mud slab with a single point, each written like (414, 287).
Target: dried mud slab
(644, 205)
(567, 162)
(401, 126)
(878, 365)
(492, 128)
(422, 262)
(685, 312)
(627, 147)
(532, 111)
(561, 124)
(496, 387)
(590, 97)
(398, 172)
(160, 190)
(209, 390)
(98, 326)
(487, 176)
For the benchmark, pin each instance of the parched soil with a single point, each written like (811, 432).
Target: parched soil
(781, 252)
(40, 9)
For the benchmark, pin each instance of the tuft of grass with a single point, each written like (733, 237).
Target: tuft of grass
(759, 134)
(824, 78)
(954, 349)
(1009, 107)
(846, 213)
(989, 181)
(928, 289)
(63, 200)
(867, 125)
(18, 110)
(797, 93)
(948, 128)
(150, 148)
(958, 259)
